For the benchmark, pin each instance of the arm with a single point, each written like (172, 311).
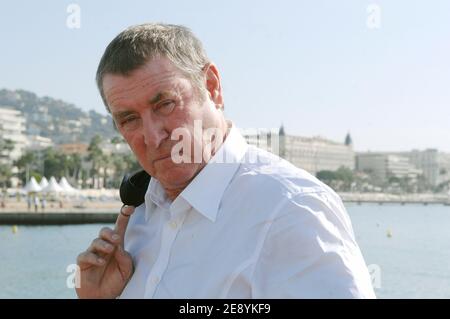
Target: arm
(105, 267)
(310, 252)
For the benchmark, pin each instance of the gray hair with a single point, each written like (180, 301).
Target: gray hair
(135, 46)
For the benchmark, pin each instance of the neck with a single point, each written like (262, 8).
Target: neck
(173, 193)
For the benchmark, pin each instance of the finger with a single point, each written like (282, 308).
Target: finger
(121, 255)
(88, 258)
(122, 221)
(124, 261)
(109, 235)
(100, 245)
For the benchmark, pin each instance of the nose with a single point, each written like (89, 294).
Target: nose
(153, 131)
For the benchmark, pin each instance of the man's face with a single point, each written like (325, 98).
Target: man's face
(148, 105)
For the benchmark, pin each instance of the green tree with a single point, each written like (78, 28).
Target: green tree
(5, 174)
(28, 165)
(6, 146)
(345, 174)
(123, 164)
(394, 180)
(106, 162)
(56, 163)
(95, 155)
(132, 163)
(75, 166)
(341, 179)
(117, 140)
(326, 176)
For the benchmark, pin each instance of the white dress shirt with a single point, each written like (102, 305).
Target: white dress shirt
(245, 229)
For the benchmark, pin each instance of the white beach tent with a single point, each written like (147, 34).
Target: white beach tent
(44, 182)
(66, 186)
(32, 186)
(53, 187)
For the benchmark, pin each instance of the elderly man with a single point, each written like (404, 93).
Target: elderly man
(218, 225)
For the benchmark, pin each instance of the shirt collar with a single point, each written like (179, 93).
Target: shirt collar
(205, 191)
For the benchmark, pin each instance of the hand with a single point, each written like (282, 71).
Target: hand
(105, 267)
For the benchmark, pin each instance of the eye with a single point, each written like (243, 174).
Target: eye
(129, 123)
(165, 107)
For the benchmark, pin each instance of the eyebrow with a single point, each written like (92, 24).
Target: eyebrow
(158, 97)
(121, 114)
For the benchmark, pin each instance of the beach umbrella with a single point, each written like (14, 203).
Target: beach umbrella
(66, 186)
(44, 182)
(32, 186)
(53, 187)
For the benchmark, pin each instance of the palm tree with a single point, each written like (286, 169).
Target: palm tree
(28, 165)
(95, 155)
(75, 166)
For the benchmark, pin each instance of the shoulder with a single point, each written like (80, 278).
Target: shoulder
(291, 197)
(262, 172)
(270, 188)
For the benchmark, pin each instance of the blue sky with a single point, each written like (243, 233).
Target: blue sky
(313, 65)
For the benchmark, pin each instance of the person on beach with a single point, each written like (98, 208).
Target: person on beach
(43, 204)
(36, 203)
(4, 197)
(29, 202)
(221, 219)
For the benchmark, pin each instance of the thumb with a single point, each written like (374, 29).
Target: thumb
(122, 221)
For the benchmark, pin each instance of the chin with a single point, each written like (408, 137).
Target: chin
(177, 176)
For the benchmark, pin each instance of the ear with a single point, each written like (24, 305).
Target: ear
(213, 85)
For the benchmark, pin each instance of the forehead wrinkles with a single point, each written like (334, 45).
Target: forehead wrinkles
(131, 89)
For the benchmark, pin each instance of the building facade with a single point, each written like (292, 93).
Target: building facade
(382, 166)
(444, 169)
(313, 154)
(37, 142)
(427, 161)
(12, 127)
(74, 148)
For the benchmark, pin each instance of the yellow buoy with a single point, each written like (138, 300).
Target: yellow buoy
(15, 229)
(389, 233)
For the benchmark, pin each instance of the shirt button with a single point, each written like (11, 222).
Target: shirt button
(173, 224)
